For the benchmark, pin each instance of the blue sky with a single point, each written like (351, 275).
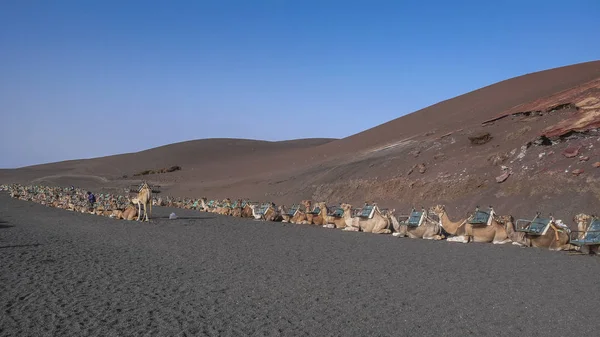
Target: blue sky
(78, 78)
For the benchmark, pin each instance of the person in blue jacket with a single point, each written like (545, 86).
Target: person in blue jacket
(91, 199)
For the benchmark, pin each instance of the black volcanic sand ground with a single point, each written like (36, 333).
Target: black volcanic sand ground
(65, 273)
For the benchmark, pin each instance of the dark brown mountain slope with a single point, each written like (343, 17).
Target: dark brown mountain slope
(440, 154)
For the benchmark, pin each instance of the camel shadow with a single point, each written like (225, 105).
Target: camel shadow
(19, 246)
(4, 224)
(187, 217)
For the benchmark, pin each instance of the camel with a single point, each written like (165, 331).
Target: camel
(224, 208)
(270, 213)
(257, 216)
(588, 232)
(320, 218)
(341, 218)
(144, 197)
(116, 214)
(449, 226)
(247, 211)
(158, 202)
(300, 217)
(290, 215)
(283, 212)
(129, 213)
(582, 221)
(277, 214)
(553, 236)
(211, 206)
(266, 212)
(202, 204)
(237, 210)
(417, 226)
(479, 227)
(370, 221)
(308, 210)
(517, 238)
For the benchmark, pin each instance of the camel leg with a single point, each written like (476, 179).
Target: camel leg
(458, 238)
(145, 213)
(139, 211)
(500, 240)
(382, 231)
(148, 210)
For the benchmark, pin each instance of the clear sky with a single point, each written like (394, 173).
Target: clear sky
(81, 79)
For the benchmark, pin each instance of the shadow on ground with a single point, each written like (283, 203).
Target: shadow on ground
(186, 217)
(21, 246)
(4, 224)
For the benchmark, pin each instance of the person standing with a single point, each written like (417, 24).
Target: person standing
(91, 200)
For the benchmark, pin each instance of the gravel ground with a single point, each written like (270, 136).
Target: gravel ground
(69, 274)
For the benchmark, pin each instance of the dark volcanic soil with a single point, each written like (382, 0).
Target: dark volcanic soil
(70, 274)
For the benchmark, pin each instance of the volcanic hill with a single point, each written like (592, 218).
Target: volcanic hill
(527, 144)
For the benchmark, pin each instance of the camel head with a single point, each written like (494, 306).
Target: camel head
(307, 205)
(581, 220)
(438, 210)
(504, 218)
(346, 207)
(581, 217)
(387, 212)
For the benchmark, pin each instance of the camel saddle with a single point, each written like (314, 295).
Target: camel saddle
(262, 209)
(293, 210)
(537, 226)
(415, 219)
(480, 218)
(338, 212)
(315, 211)
(367, 211)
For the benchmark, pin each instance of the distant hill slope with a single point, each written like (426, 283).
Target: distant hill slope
(189, 154)
(444, 153)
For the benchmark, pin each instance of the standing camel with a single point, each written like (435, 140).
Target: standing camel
(144, 196)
